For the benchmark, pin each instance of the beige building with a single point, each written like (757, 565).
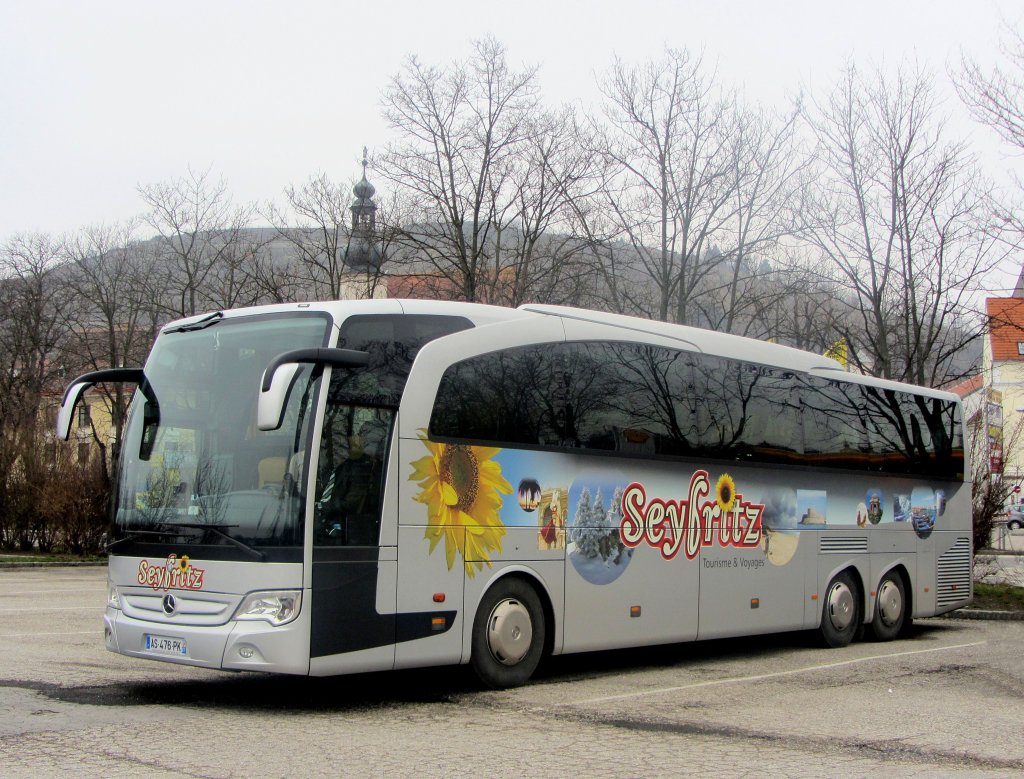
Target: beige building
(994, 398)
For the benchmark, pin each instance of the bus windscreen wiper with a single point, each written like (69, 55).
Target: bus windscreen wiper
(132, 535)
(219, 530)
(199, 324)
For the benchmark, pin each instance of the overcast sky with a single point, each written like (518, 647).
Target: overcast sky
(99, 97)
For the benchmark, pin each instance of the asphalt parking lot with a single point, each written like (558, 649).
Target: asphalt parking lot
(948, 701)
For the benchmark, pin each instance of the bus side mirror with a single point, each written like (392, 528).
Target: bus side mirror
(67, 408)
(280, 375)
(270, 406)
(81, 384)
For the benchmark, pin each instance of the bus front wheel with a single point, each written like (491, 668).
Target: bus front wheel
(508, 634)
(841, 612)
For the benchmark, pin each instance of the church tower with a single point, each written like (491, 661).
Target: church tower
(363, 253)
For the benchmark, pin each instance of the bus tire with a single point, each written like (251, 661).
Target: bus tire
(841, 611)
(508, 634)
(890, 607)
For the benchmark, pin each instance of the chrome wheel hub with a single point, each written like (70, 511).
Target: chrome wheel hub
(509, 631)
(890, 603)
(840, 606)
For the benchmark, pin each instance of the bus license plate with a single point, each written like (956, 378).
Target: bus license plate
(166, 645)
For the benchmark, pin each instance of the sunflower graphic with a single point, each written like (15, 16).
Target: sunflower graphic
(462, 488)
(183, 563)
(725, 491)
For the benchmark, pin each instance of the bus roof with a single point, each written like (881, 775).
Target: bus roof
(478, 313)
(735, 346)
(706, 341)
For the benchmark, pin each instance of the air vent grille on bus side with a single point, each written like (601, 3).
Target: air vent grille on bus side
(832, 545)
(953, 575)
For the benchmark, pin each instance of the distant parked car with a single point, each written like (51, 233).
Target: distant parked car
(1015, 516)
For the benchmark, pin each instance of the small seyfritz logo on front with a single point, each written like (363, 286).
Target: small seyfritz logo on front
(174, 573)
(690, 523)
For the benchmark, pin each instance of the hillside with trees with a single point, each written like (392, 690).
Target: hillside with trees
(852, 216)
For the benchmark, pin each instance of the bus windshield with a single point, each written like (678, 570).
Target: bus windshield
(194, 466)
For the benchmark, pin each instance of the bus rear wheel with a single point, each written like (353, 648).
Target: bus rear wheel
(508, 634)
(841, 611)
(890, 608)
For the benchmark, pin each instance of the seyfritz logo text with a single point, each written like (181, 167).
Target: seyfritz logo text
(692, 522)
(174, 573)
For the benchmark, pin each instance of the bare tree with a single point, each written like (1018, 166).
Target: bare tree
(799, 304)
(201, 243)
(901, 222)
(671, 184)
(996, 98)
(235, 279)
(112, 318)
(770, 172)
(28, 268)
(463, 129)
(485, 175)
(317, 228)
(31, 333)
(538, 254)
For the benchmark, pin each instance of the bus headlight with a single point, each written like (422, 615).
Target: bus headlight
(274, 606)
(113, 596)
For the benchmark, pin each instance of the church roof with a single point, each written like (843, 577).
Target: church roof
(364, 190)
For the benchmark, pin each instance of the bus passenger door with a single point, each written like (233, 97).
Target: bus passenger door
(353, 579)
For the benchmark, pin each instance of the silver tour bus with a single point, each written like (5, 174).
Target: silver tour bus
(340, 487)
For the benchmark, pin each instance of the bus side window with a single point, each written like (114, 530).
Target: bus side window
(833, 429)
(512, 396)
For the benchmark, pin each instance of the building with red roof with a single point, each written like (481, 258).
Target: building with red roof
(994, 398)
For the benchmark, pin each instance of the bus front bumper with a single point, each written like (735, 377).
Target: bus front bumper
(234, 646)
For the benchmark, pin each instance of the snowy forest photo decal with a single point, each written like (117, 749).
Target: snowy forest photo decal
(595, 546)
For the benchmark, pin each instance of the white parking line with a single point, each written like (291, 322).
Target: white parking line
(76, 590)
(56, 608)
(62, 633)
(758, 677)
